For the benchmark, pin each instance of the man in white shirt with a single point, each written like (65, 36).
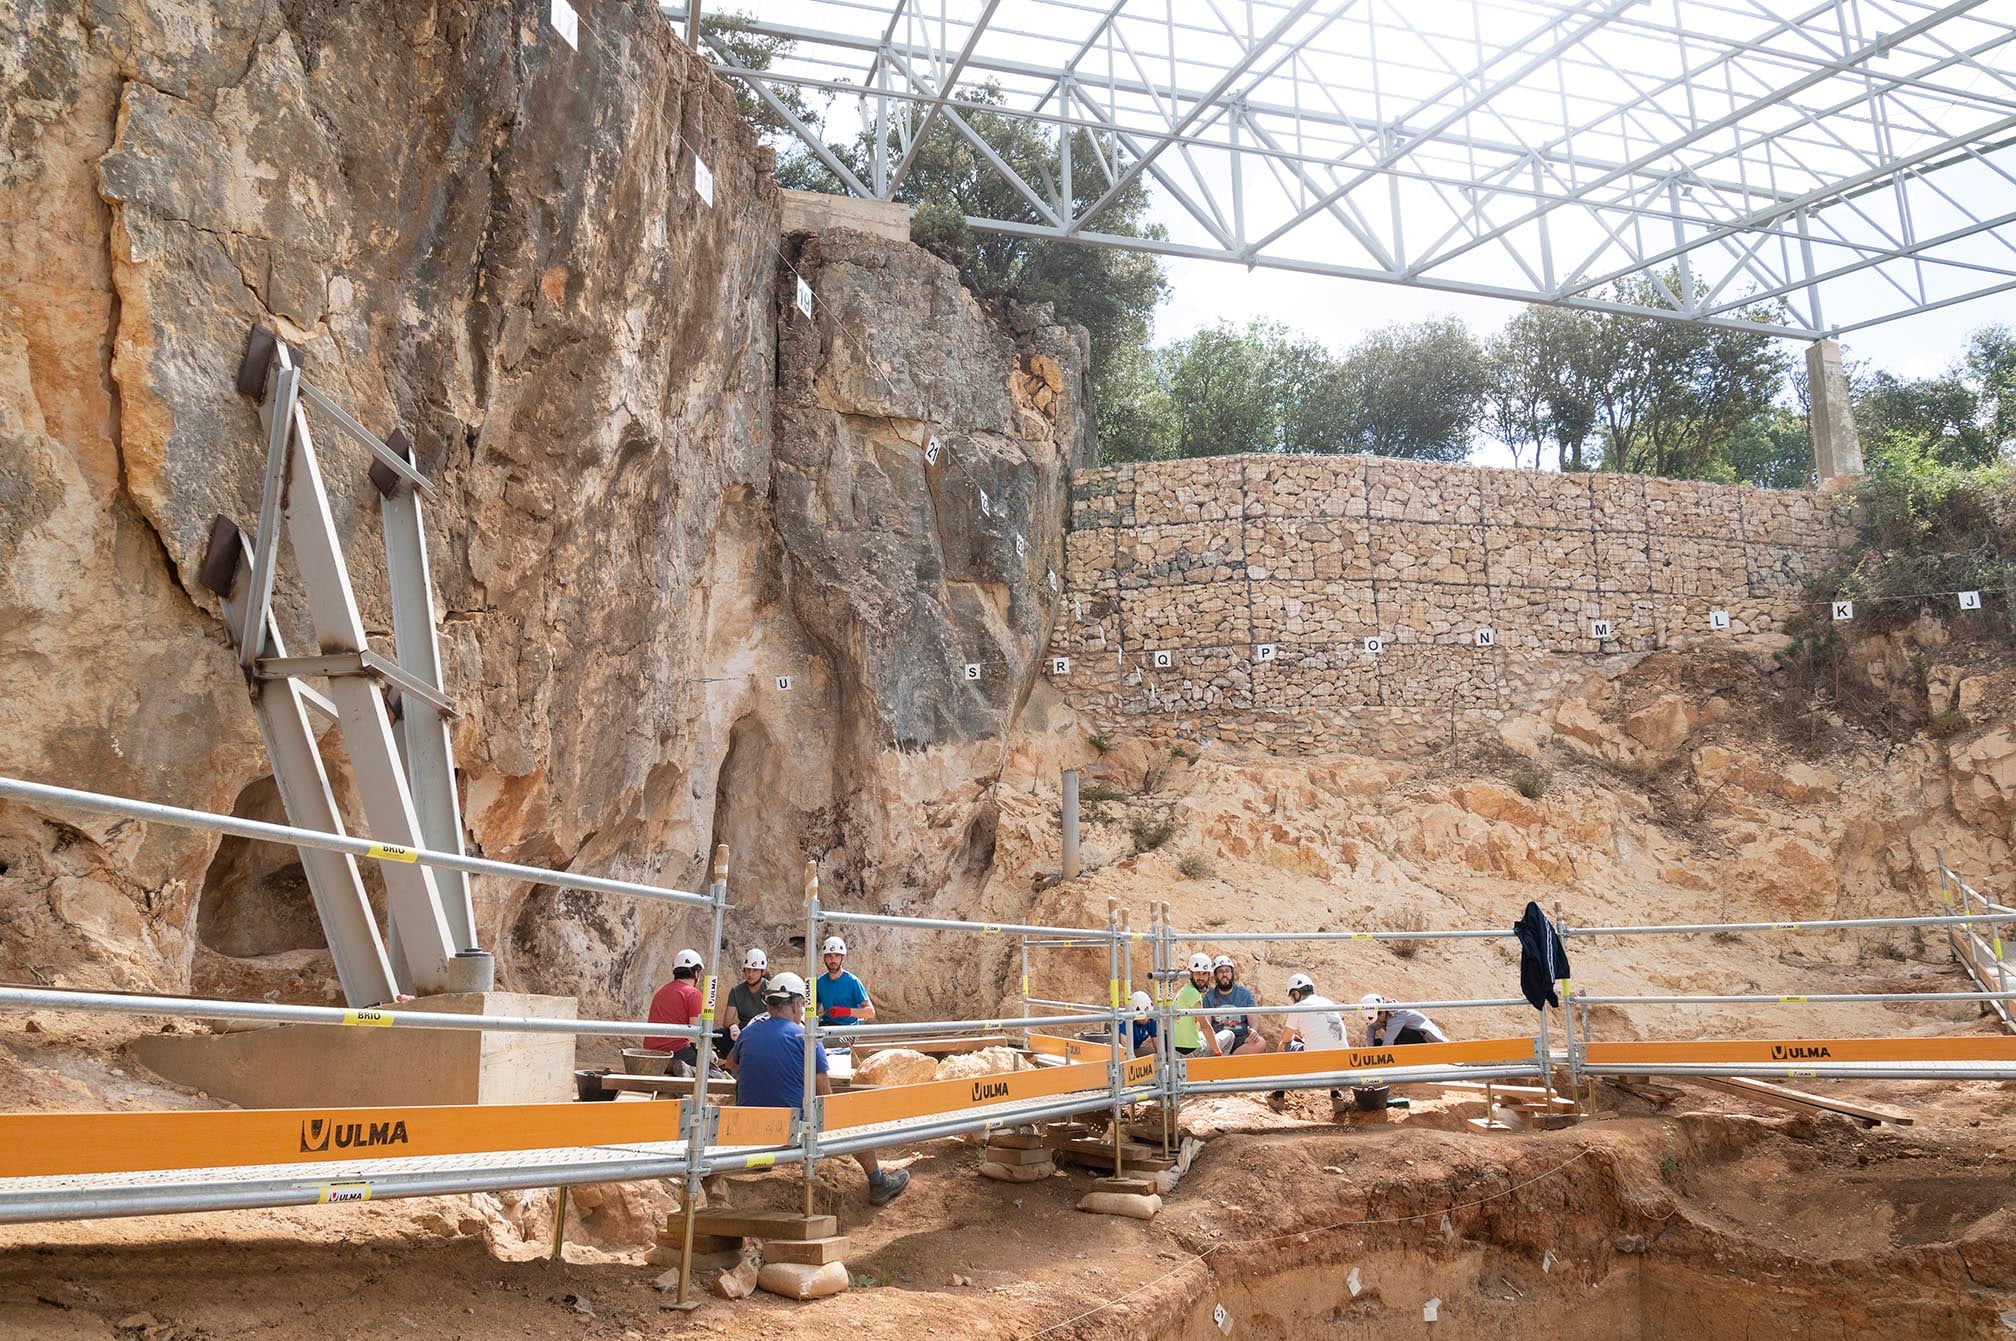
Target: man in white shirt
(1317, 1027)
(1387, 1026)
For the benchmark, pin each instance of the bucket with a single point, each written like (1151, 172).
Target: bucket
(1370, 1098)
(645, 1062)
(588, 1087)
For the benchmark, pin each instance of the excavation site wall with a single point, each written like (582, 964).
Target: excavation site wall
(1240, 597)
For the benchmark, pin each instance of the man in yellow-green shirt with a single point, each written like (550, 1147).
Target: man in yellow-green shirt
(1187, 1036)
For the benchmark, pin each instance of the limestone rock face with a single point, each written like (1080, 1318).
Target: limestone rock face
(492, 241)
(1984, 780)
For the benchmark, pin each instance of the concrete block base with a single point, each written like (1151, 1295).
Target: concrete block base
(344, 1066)
(815, 211)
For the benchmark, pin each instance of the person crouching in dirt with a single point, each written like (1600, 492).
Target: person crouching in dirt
(769, 1064)
(1318, 1026)
(1143, 1029)
(1387, 1026)
(1235, 1033)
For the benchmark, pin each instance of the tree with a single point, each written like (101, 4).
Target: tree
(1543, 384)
(757, 51)
(1413, 391)
(1223, 389)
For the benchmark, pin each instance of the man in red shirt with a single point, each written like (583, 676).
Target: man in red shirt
(678, 1002)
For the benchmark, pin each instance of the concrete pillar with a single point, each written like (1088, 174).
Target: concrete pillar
(1070, 824)
(1837, 451)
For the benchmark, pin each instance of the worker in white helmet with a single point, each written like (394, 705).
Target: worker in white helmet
(840, 997)
(1144, 1026)
(1189, 1035)
(678, 1002)
(1317, 1027)
(769, 1062)
(1234, 1031)
(1387, 1026)
(745, 1000)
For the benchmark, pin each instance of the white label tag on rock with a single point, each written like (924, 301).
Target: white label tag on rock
(986, 508)
(1264, 652)
(931, 450)
(1054, 584)
(1599, 629)
(1223, 1319)
(1547, 1262)
(1431, 1309)
(1021, 548)
(804, 296)
(1718, 619)
(566, 23)
(1352, 1283)
(972, 670)
(1164, 660)
(1060, 665)
(1843, 611)
(1375, 646)
(1970, 600)
(1487, 638)
(703, 181)
(783, 684)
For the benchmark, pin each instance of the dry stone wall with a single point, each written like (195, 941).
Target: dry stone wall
(1234, 597)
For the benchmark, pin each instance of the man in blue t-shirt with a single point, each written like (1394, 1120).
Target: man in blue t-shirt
(769, 1065)
(841, 997)
(1235, 1032)
(1143, 1029)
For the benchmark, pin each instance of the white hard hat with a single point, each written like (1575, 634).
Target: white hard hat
(1140, 1002)
(1301, 982)
(1222, 961)
(686, 959)
(834, 946)
(1372, 1003)
(784, 985)
(1200, 962)
(755, 959)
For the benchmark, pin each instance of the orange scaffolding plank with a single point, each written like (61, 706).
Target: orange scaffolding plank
(1261, 1065)
(863, 1108)
(1802, 1051)
(41, 1144)
(1071, 1049)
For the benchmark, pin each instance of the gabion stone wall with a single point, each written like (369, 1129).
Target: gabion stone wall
(1234, 597)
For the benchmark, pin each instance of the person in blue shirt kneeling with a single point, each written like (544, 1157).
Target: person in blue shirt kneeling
(769, 1064)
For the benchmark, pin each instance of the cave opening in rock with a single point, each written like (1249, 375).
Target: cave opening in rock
(255, 898)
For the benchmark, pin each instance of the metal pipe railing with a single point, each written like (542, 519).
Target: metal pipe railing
(1830, 924)
(199, 1008)
(1236, 937)
(65, 798)
(954, 924)
(915, 1027)
(1789, 999)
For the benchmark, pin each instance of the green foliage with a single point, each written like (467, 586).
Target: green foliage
(1925, 528)
(1530, 781)
(757, 52)
(1949, 723)
(1096, 793)
(1150, 831)
(1099, 741)
(1410, 391)
(1196, 866)
(1966, 416)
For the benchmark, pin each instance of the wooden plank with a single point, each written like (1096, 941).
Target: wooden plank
(1800, 1099)
(724, 1086)
(1333, 1060)
(765, 1225)
(1099, 1154)
(1014, 1140)
(1784, 1052)
(806, 1252)
(1071, 1049)
(1141, 1186)
(1003, 1155)
(933, 1047)
(34, 1145)
(895, 1102)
